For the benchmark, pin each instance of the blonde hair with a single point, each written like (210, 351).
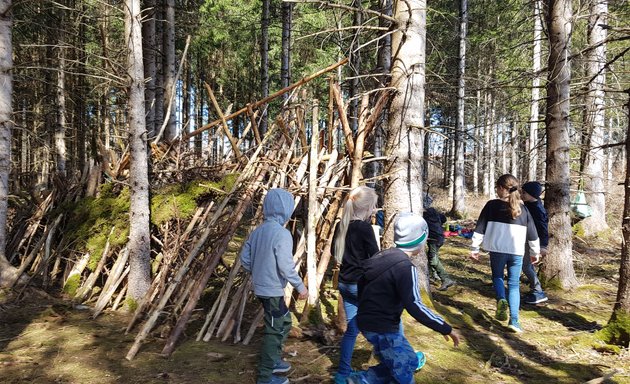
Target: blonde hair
(510, 184)
(359, 205)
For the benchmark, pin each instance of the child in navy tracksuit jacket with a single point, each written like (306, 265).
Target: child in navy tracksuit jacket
(389, 285)
(268, 255)
(531, 198)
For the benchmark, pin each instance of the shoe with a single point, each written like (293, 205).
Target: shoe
(356, 378)
(274, 380)
(421, 360)
(535, 298)
(341, 379)
(446, 283)
(515, 327)
(281, 367)
(502, 309)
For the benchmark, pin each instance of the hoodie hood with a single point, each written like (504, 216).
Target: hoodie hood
(381, 262)
(278, 205)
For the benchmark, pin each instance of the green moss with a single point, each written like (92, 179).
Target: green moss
(180, 200)
(617, 331)
(578, 230)
(131, 304)
(72, 284)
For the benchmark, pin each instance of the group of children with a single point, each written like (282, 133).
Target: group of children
(376, 285)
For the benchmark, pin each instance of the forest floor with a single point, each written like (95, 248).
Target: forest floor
(44, 339)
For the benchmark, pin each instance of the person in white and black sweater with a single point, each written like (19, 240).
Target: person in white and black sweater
(503, 228)
(388, 285)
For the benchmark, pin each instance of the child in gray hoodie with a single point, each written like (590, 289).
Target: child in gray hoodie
(268, 255)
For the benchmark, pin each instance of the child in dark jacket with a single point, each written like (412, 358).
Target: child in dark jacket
(389, 285)
(531, 198)
(268, 255)
(435, 220)
(355, 242)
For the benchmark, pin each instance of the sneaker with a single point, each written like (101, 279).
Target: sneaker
(446, 283)
(502, 309)
(281, 367)
(421, 360)
(274, 380)
(535, 298)
(515, 327)
(340, 379)
(356, 378)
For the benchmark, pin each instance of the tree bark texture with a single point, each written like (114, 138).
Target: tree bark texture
(148, 58)
(7, 272)
(404, 150)
(622, 304)
(264, 63)
(459, 190)
(532, 143)
(558, 264)
(594, 119)
(139, 233)
(169, 69)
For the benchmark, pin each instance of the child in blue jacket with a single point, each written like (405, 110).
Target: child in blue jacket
(531, 198)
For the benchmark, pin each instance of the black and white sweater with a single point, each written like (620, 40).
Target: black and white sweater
(496, 231)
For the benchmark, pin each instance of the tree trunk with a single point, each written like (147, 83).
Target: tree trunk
(619, 323)
(355, 67)
(557, 267)
(139, 233)
(264, 63)
(404, 150)
(594, 119)
(459, 190)
(60, 127)
(169, 69)
(285, 64)
(532, 143)
(148, 52)
(7, 272)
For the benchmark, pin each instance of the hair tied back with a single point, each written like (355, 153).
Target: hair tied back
(513, 189)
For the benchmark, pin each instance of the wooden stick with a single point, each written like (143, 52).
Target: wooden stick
(252, 118)
(83, 292)
(267, 99)
(253, 326)
(344, 120)
(212, 261)
(173, 89)
(192, 254)
(226, 129)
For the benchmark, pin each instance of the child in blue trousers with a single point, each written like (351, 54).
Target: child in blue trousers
(531, 197)
(389, 285)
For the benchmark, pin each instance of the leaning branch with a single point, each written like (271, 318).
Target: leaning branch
(266, 99)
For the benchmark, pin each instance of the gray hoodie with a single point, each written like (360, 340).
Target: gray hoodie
(268, 252)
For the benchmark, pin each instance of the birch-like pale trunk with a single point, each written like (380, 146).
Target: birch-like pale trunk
(139, 232)
(595, 118)
(406, 114)
(557, 267)
(404, 149)
(7, 272)
(532, 142)
(459, 191)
